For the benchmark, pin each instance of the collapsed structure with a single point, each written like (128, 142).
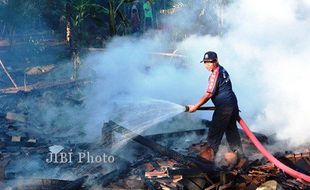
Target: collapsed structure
(149, 165)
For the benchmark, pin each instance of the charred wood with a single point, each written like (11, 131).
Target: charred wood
(205, 166)
(122, 168)
(76, 184)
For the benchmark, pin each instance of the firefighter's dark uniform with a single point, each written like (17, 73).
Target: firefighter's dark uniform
(226, 113)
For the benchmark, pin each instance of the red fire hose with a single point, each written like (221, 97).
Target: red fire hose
(265, 152)
(269, 156)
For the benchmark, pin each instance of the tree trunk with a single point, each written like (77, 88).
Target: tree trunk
(69, 24)
(112, 22)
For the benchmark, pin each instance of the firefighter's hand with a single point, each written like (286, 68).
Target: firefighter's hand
(192, 108)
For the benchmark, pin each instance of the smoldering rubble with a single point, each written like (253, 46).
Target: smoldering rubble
(32, 158)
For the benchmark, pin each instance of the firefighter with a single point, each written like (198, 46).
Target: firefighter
(225, 116)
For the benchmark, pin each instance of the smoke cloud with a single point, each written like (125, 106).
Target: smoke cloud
(263, 45)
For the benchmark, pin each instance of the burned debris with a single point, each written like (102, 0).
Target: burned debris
(155, 162)
(167, 169)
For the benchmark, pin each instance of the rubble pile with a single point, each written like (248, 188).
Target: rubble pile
(152, 165)
(162, 171)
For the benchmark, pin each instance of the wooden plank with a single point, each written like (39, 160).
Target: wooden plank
(43, 85)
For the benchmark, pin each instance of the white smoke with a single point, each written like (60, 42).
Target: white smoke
(264, 48)
(273, 39)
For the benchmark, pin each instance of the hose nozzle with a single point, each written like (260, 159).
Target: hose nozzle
(186, 108)
(201, 108)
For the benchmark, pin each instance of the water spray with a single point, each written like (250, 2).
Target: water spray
(263, 150)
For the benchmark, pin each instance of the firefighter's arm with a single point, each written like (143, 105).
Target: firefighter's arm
(203, 100)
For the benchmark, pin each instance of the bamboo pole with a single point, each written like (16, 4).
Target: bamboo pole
(8, 74)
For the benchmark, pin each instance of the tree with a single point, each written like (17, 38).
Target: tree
(114, 13)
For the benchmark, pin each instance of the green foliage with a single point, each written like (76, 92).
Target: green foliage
(82, 14)
(85, 12)
(114, 13)
(53, 13)
(88, 18)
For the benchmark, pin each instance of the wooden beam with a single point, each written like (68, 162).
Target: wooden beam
(43, 85)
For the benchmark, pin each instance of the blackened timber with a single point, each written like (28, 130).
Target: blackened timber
(113, 176)
(107, 135)
(149, 184)
(290, 164)
(186, 172)
(76, 184)
(205, 166)
(35, 183)
(162, 136)
(122, 168)
(2, 168)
